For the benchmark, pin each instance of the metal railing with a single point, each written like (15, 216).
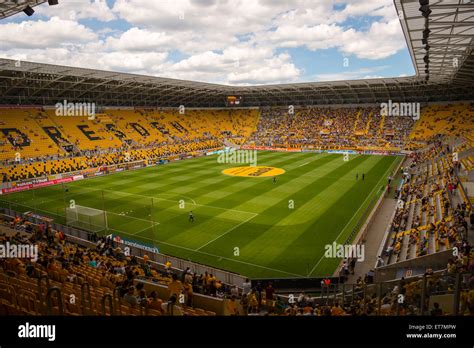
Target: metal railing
(158, 260)
(410, 296)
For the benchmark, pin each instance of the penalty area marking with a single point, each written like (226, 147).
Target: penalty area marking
(169, 200)
(130, 217)
(147, 228)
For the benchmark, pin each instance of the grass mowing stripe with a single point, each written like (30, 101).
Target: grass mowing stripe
(229, 181)
(174, 201)
(220, 257)
(274, 213)
(202, 181)
(325, 223)
(295, 222)
(228, 231)
(356, 213)
(256, 187)
(206, 173)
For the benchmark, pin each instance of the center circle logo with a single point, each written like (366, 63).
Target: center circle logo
(253, 172)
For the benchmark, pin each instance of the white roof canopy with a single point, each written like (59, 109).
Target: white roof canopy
(450, 70)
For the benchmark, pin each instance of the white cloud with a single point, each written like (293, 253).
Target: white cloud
(362, 73)
(273, 70)
(381, 41)
(321, 36)
(136, 39)
(78, 9)
(44, 34)
(224, 41)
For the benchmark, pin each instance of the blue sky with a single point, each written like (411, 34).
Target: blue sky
(238, 42)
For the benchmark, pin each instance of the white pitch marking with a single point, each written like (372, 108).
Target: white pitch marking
(213, 255)
(229, 230)
(169, 200)
(303, 164)
(376, 186)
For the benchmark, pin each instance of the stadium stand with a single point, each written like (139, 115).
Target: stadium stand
(450, 119)
(118, 135)
(331, 128)
(68, 279)
(82, 132)
(427, 220)
(104, 281)
(25, 137)
(149, 134)
(83, 279)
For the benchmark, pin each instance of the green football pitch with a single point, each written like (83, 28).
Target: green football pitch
(247, 225)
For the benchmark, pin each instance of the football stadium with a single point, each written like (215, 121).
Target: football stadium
(127, 192)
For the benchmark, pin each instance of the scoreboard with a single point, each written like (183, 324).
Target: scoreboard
(233, 100)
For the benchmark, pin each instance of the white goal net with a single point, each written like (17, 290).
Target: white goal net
(90, 219)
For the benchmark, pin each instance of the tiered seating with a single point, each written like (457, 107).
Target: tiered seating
(50, 127)
(84, 133)
(88, 281)
(466, 143)
(151, 134)
(37, 169)
(331, 128)
(363, 120)
(19, 126)
(468, 163)
(118, 136)
(168, 127)
(426, 222)
(450, 119)
(136, 126)
(397, 130)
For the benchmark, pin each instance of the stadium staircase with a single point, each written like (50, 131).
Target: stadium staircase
(369, 121)
(229, 143)
(425, 229)
(357, 121)
(381, 127)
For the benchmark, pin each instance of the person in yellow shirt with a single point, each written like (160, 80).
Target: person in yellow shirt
(175, 286)
(253, 302)
(232, 306)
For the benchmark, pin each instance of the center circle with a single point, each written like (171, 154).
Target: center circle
(253, 172)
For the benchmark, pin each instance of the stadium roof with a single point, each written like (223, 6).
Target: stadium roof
(449, 33)
(11, 7)
(450, 40)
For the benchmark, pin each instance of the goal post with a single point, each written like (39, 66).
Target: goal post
(90, 219)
